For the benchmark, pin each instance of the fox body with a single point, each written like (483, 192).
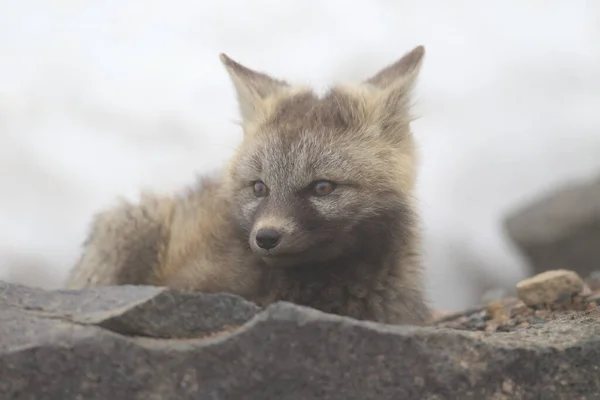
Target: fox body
(315, 207)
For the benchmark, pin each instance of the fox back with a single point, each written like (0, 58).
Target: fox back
(316, 205)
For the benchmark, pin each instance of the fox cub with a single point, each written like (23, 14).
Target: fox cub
(315, 207)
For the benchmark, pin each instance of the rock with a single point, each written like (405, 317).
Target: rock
(511, 314)
(133, 310)
(549, 287)
(58, 345)
(560, 230)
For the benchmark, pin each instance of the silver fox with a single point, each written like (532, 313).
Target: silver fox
(316, 207)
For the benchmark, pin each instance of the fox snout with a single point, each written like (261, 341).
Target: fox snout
(274, 236)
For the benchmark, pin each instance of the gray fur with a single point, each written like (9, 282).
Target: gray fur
(353, 252)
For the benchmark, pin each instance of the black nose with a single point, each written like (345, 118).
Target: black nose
(267, 238)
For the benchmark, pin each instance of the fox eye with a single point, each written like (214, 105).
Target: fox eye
(260, 189)
(323, 188)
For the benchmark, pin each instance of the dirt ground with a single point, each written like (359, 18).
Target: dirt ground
(511, 314)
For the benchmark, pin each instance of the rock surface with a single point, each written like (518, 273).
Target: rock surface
(133, 310)
(550, 287)
(511, 314)
(560, 230)
(153, 343)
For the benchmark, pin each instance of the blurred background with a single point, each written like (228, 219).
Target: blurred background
(103, 99)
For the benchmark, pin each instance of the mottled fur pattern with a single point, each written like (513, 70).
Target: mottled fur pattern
(353, 251)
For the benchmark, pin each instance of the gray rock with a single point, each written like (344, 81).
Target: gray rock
(283, 352)
(560, 230)
(133, 310)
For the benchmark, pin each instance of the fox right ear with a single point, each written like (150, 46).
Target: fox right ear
(252, 88)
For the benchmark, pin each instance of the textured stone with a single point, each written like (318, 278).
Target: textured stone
(560, 230)
(549, 287)
(133, 310)
(283, 352)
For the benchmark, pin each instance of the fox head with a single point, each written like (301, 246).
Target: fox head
(317, 178)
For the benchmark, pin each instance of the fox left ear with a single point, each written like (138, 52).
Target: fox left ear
(252, 88)
(395, 84)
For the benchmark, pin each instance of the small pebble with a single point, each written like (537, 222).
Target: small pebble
(508, 386)
(536, 320)
(549, 287)
(498, 311)
(505, 328)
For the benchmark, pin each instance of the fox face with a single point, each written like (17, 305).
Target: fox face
(316, 178)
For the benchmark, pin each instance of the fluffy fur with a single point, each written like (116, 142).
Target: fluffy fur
(353, 251)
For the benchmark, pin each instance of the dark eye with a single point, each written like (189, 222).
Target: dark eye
(323, 188)
(260, 189)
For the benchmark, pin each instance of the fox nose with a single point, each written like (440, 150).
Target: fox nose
(267, 238)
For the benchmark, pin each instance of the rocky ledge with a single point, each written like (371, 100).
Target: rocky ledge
(134, 342)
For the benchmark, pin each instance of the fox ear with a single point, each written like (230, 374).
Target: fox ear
(394, 85)
(252, 88)
(403, 72)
